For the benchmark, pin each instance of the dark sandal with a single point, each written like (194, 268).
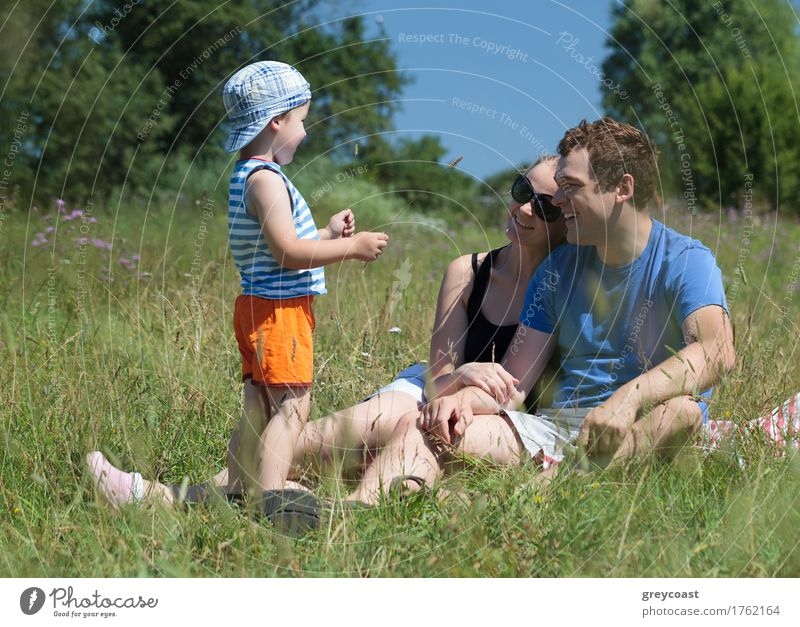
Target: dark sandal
(354, 506)
(397, 486)
(203, 494)
(293, 511)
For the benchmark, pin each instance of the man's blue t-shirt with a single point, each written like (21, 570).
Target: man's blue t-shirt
(614, 323)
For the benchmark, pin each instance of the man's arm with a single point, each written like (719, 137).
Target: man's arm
(708, 356)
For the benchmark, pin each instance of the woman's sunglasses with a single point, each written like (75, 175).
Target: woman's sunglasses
(522, 191)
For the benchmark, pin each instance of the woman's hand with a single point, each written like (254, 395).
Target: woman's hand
(490, 377)
(437, 416)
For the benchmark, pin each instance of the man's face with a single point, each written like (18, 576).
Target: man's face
(586, 208)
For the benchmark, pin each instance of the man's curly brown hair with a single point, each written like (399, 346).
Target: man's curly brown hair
(616, 148)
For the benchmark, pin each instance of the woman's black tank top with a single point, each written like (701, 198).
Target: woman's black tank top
(487, 342)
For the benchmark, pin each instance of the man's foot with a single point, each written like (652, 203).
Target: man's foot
(115, 486)
(545, 477)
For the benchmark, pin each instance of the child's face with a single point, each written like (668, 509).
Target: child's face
(291, 132)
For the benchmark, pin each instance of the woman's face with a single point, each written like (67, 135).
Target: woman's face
(524, 226)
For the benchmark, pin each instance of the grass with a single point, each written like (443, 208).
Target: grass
(139, 360)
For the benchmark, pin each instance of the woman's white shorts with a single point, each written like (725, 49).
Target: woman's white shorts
(411, 381)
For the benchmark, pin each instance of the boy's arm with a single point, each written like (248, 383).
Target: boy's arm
(708, 355)
(342, 224)
(268, 199)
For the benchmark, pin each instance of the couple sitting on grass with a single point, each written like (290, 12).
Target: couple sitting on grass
(632, 313)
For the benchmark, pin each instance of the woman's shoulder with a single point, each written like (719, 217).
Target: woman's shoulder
(465, 266)
(460, 272)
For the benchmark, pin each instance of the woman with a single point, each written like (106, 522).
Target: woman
(476, 317)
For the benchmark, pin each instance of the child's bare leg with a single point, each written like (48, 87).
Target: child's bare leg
(288, 407)
(244, 444)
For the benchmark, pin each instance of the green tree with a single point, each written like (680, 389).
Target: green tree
(416, 169)
(714, 84)
(117, 92)
(198, 44)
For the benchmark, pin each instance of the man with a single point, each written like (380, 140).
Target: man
(637, 311)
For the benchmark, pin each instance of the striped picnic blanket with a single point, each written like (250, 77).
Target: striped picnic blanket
(782, 426)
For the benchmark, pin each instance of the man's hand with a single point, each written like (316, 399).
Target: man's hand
(342, 224)
(606, 427)
(437, 416)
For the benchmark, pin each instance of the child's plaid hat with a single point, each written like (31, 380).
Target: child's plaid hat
(256, 94)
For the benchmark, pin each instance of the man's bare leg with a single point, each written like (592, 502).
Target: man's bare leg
(665, 430)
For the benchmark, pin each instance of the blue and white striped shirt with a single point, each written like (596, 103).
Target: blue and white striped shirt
(261, 274)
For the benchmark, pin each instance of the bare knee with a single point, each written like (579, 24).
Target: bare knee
(677, 421)
(685, 415)
(407, 421)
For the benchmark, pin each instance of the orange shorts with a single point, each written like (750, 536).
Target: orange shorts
(274, 338)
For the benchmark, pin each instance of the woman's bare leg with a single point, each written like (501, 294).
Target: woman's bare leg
(367, 425)
(118, 487)
(410, 452)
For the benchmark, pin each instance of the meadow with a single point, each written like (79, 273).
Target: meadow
(116, 335)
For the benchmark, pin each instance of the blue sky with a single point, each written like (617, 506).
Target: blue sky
(499, 82)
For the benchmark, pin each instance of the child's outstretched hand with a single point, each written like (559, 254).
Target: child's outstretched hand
(368, 246)
(342, 224)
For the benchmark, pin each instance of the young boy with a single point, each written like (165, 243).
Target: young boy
(279, 254)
